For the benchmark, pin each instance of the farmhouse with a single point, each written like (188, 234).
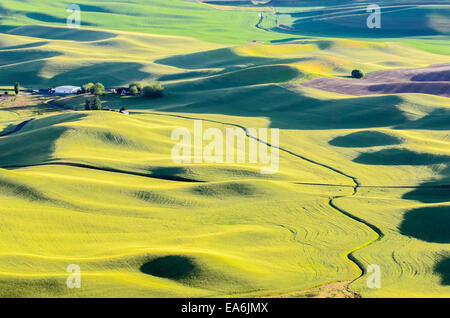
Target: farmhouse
(67, 89)
(123, 91)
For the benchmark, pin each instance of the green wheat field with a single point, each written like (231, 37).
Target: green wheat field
(364, 177)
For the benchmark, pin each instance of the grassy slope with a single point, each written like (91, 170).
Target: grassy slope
(86, 230)
(174, 17)
(291, 227)
(38, 61)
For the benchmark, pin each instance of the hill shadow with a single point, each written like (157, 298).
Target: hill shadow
(34, 144)
(438, 76)
(172, 173)
(93, 8)
(352, 23)
(27, 74)
(443, 269)
(362, 139)
(400, 156)
(56, 33)
(220, 58)
(429, 193)
(287, 109)
(108, 73)
(438, 119)
(42, 17)
(172, 267)
(14, 57)
(247, 77)
(24, 46)
(430, 224)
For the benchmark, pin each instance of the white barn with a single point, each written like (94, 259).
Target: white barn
(67, 89)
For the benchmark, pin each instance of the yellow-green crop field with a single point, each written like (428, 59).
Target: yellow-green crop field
(362, 180)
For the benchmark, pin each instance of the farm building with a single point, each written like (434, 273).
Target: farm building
(67, 89)
(123, 91)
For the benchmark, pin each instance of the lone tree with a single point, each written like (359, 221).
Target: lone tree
(99, 89)
(154, 91)
(97, 103)
(16, 88)
(138, 86)
(357, 74)
(87, 104)
(134, 90)
(88, 88)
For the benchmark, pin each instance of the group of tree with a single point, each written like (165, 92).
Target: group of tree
(153, 91)
(135, 89)
(150, 91)
(95, 89)
(95, 104)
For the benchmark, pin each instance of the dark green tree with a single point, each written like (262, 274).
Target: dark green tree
(134, 90)
(97, 103)
(88, 88)
(16, 88)
(357, 74)
(99, 89)
(154, 91)
(87, 104)
(138, 86)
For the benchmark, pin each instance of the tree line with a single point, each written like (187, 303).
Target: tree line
(150, 91)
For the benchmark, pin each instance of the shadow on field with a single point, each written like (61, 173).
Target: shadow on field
(172, 267)
(24, 46)
(18, 190)
(400, 156)
(221, 58)
(443, 269)
(35, 142)
(397, 21)
(27, 74)
(288, 109)
(430, 224)
(108, 73)
(438, 119)
(42, 17)
(56, 33)
(172, 174)
(249, 76)
(363, 139)
(14, 57)
(432, 195)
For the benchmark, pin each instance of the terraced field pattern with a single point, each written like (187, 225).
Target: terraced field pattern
(364, 165)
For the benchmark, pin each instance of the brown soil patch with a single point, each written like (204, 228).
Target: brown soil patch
(433, 80)
(334, 290)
